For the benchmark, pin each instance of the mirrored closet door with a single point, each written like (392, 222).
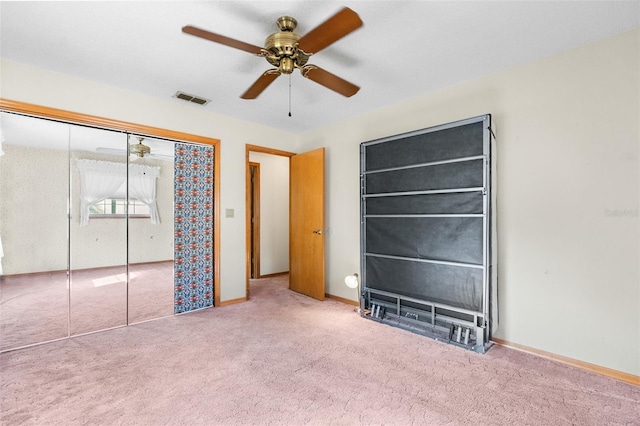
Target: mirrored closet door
(88, 233)
(151, 228)
(34, 190)
(98, 229)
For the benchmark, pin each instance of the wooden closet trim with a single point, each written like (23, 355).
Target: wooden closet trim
(110, 124)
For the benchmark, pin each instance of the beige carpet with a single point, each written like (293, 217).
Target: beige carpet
(285, 359)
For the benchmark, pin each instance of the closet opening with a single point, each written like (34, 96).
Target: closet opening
(103, 224)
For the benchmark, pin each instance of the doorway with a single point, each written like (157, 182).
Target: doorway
(267, 244)
(302, 239)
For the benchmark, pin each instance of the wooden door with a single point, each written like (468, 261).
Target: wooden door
(306, 233)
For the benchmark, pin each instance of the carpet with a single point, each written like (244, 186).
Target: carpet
(35, 308)
(285, 359)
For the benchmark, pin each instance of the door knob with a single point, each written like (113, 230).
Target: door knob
(318, 231)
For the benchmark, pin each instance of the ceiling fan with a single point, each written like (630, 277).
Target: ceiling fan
(286, 51)
(138, 149)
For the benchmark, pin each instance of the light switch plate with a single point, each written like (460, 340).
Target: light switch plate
(228, 213)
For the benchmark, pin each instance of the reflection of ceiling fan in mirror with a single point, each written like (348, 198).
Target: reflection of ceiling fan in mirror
(138, 149)
(287, 51)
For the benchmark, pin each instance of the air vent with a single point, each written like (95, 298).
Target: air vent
(191, 98)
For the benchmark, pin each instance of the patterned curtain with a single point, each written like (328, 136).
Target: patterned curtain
(193, 227)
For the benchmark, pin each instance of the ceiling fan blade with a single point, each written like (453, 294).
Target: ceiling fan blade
(162, 157)
(114, 151)
(222, 39)
(261, 83)
(330, 81)
(330, 31)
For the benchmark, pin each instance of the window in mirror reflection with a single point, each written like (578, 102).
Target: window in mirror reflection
(116, 208)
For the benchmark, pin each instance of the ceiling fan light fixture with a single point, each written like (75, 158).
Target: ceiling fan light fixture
(139, 148)
(287, 65)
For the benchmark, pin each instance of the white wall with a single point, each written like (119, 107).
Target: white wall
(567, 156)
(29, 84)
(274, 212)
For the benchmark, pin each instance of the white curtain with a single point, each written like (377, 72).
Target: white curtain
(142, 186)
(98, 180)
(103, 179)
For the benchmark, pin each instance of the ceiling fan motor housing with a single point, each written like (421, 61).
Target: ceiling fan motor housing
(283, 47)
(139, 148)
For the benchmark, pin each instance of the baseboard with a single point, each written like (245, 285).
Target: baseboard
(92, 269)
(594, 368)
(232, 301)
(341, 299)
(277, 274)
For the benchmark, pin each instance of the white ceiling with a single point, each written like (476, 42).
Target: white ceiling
(16, 129)
(404, 50)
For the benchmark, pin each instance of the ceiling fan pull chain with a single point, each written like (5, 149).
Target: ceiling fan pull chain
(289, 95)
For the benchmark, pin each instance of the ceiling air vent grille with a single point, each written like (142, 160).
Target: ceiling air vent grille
(190, 98)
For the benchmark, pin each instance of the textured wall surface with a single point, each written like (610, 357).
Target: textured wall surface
(33, 209)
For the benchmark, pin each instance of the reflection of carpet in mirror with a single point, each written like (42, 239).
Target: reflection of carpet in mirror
(35, 309)
(150, 291)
